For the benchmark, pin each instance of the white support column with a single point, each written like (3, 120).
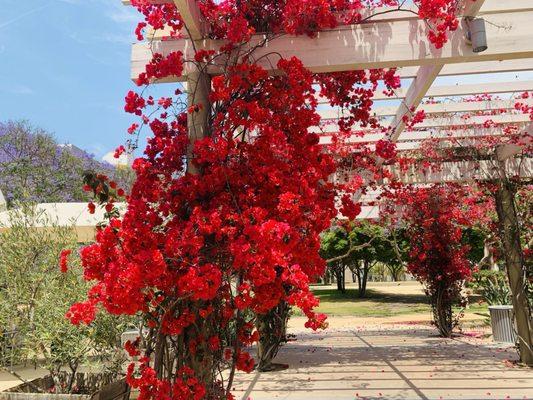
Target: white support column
(198, 81)
(192, 18)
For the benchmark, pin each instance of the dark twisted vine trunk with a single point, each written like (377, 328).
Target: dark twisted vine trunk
(441, 305)
(272, 328)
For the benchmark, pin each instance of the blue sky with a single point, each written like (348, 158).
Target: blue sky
(64, 66)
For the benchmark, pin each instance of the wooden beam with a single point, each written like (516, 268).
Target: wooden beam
(192, 18)
(432, 123)
(472, 7)
(435, 108)
(375, 45)
(458, 90)
(406, 12)
(415, 93)
(489, 7)
(440, 134)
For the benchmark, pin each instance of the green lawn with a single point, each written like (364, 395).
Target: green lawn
(376, 303)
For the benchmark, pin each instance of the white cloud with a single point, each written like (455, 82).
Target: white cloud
(11, 21)
(110, 158)
(15, 88)
(120, 13)
(115, 38)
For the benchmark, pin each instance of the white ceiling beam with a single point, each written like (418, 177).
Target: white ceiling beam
(458, 90)
(433, 123)
(435, 108)
(373, 45)
(415, 94)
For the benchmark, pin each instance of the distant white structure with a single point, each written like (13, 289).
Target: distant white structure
(123, 161)
(3, 202)
(65, 214)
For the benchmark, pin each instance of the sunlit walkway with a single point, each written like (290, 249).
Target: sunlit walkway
(396, 363)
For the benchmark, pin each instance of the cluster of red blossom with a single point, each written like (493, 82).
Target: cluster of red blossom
(436, 216)
(195, 253)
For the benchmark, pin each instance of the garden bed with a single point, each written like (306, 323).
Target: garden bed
(85, 386)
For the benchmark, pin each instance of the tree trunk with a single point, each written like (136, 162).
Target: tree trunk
(198, 88)
(510, 237)
(327, 277)
(340, 276)
(441, 305)
(362, 275)
(359, 272)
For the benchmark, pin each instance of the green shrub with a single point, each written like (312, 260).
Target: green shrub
(492, 286)
(35, 295)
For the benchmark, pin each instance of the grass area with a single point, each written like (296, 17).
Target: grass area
(378, 303)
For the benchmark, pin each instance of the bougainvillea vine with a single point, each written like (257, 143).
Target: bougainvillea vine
(198, 255)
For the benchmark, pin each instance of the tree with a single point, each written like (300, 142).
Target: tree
(504, 174)
(35, 168)
(233, 189)
(36, 291)
(359, 245)
(396, 254)
(335, 245)
(435, 217)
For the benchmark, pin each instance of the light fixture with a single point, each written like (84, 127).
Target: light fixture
(477, 34)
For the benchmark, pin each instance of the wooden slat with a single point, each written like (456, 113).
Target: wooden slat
(464, 171)
(423, 80)
(459, 90)
(429, 123)
(435, 109)
(413, 97)
(382, 44)
(441, 134)
(192, 18)
(473, 68)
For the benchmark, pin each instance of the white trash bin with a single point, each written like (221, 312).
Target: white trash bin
(502, 322)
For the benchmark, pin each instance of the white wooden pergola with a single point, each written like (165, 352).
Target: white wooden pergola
(397, 39)
(393, 38)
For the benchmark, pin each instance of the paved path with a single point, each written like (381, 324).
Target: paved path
(397, 363)
(380, 362)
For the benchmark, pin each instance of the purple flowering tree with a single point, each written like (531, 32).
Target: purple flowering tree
(35, 168)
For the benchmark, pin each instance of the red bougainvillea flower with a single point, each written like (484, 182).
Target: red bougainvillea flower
(198, 255)
(63, 260)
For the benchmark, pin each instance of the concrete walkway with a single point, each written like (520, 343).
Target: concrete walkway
(384, 362)
(407, 362)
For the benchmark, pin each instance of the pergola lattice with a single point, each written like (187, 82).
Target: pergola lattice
(396, 38)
